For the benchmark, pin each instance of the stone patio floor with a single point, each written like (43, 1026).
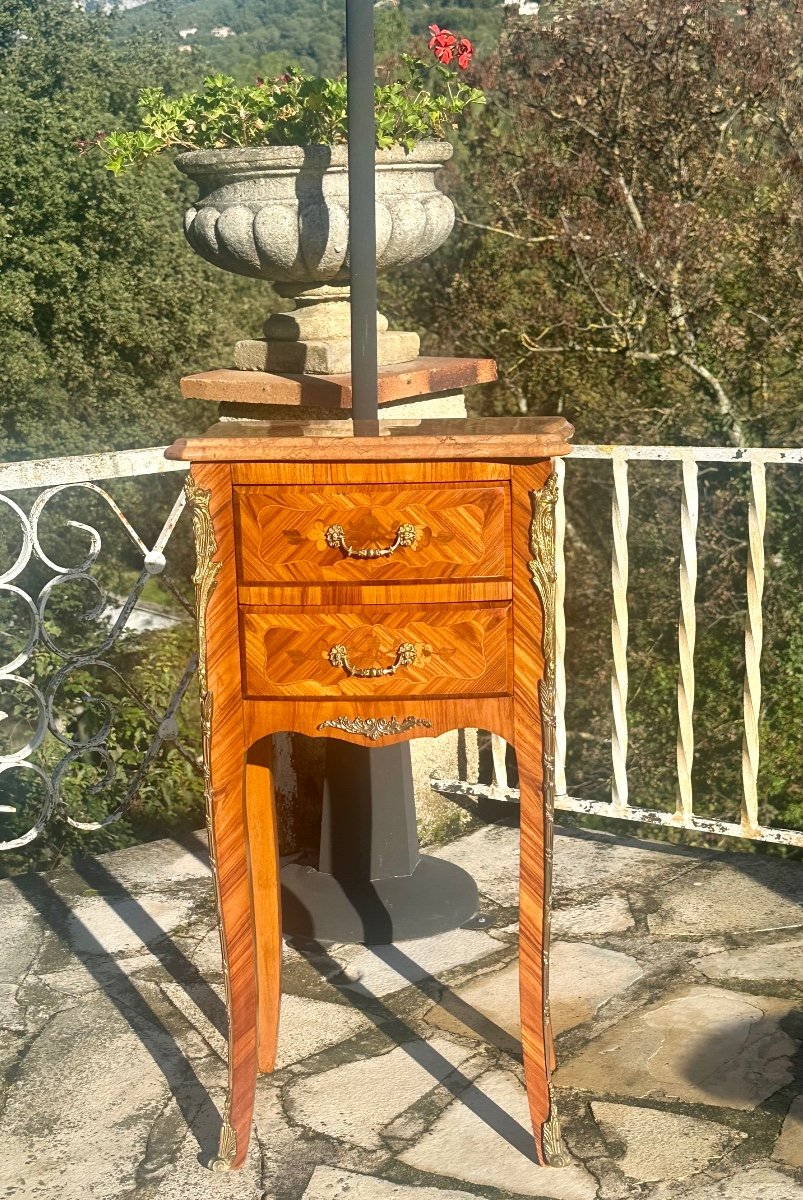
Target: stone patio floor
(677, 981)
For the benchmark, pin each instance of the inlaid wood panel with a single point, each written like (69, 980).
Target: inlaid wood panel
(469, 649)
(456, 650)
(381, 722)
(440, 533)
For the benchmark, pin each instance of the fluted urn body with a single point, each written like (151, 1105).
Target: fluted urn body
(281, 212)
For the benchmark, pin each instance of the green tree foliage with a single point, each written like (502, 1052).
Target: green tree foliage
(102, 307)
(270, 35)
(629, 246)
(635, 217)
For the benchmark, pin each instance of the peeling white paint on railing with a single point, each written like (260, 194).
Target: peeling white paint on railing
(560, 631)
(757, 458)
(85, 468)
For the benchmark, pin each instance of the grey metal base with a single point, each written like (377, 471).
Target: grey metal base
(438, 896)
(371, 884)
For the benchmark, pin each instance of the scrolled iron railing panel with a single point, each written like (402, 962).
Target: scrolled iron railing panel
(50, 478)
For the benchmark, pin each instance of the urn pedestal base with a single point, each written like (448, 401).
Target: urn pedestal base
(314, 338)
(322, 356)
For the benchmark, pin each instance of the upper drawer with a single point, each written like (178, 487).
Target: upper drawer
(320, 534)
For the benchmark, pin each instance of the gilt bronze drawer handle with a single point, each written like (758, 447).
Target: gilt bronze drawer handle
(339, 657)
(336, 538)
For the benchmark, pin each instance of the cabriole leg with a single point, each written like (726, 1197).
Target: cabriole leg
(266, 894)
(536, 864)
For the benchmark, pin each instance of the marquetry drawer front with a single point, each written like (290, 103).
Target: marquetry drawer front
(437, 650)
(372, 534)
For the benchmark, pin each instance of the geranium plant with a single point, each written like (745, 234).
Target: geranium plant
(297, 109)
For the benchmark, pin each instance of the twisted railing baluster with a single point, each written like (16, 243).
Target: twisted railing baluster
(559, 467)
(619, 632)
(687, 636)
(620, 803)
(499, 765)
(753, 641)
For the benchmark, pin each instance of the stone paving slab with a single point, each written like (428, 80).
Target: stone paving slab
(581, 979)
(485, 1139)
(704, 1045)
(755, 1183)
(651, 1145)
(772, 962)
(353, 1103)
(610, 914)
(789, 1147)
(587, 865)
(158, 864)
(582, 864)
(383, 970)
(328, 1183)
(23, 931)
(306, 1027)
(86, 1099)
(491, 857)
(122, 925)
(750, 894)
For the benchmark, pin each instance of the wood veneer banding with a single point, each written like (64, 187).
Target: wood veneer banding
(501, 438)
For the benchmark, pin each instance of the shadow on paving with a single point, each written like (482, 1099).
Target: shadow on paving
(394, 1027)
(197, 1108)
(192, 1098)
(421, 1052)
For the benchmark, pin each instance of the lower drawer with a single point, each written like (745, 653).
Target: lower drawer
(437, 650)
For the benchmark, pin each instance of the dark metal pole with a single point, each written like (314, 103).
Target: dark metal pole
(371, 883)
(362, 211)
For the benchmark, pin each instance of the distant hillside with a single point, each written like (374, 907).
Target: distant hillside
(248, 37)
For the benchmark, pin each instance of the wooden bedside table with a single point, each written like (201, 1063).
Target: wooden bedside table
(369, 582)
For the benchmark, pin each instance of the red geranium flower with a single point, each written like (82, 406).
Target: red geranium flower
(464, 51)
(442, 44)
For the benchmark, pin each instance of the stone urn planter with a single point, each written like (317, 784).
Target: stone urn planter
(282, 213)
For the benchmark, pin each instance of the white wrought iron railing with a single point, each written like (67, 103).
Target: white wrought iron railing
(40, 481)
(37, 483)
(620, 806)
